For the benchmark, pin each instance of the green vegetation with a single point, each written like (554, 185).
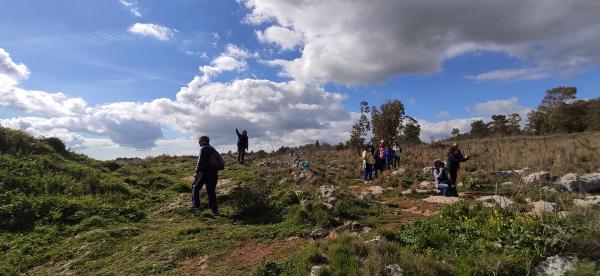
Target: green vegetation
(64, 213)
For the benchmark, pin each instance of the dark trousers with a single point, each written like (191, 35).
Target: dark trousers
(453, 174)
(369, 172)
(211, 186)
(241, 154)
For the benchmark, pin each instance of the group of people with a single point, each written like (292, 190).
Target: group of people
(376, 160)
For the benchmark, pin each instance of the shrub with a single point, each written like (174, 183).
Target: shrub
(56, 144)
(250, 198)
(16, 213)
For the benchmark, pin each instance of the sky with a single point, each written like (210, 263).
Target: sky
(136, 78)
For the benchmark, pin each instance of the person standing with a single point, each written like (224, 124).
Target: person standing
(397, 151)
(205, 174)
(455, 157)
(242, 145)
(390, 155)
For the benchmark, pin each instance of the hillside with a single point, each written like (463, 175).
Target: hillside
(64, 213)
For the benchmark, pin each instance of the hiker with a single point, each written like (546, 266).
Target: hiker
(397, 151)
(367, 164)
(390, 155)
(317, 144)
(455, 157)
(442, 179)
(242, 145)
(205, 174)
(371, 148)
(379, 161)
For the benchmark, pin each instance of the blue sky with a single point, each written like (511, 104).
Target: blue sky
(145, 77)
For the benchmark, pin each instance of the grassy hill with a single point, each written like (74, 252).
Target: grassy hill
(64, 213)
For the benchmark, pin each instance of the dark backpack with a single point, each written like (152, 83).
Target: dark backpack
(216, 161)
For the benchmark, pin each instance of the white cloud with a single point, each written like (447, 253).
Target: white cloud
(10, 69)
(152, 30)
(499, 107)
(274, 113)
(286, 39)
(370, 41)
(442, 129)
(443, 114)
(132, 6)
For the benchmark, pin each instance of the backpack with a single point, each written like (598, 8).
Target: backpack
(216, 161)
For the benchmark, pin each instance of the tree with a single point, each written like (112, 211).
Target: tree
(361, 128)
(550, 114)
(410, 132)
(455, 132)
(386, 121)
(479, 129)
(513, 127)
(498, 125)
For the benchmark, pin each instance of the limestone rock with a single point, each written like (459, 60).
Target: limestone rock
(397, 172)
(508, 174)
(327, 191)
(535, 177)
(544, 207)
(315, 270)
(583, 183)
(556, 266)
(393, 270)
(587, 201)
(491, 201)
(426, 185)
(376, 240)
(319, 233)
(442, 199)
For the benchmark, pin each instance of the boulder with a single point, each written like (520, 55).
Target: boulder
(491, 201)
(319, 233)
(398, 172)
(327, 191)
(393, 270)
(536, 176)
(442, 199)
(426, 192)
(406, 192)
(315, 270)
(541, 206)
(587, 201)
(376, 240)
(580, 183)
(508, 174)
(555, 265)
(426, 185)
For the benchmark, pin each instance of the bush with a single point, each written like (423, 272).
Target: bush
(16, 213)
(250, 199)
(56, 144)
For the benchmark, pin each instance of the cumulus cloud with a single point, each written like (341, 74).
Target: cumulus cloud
(370, 41)
(152, 30)
(499, 107)
(132, 6)
(431, 131)
(286, 39)
(11, 72)
(274, 113)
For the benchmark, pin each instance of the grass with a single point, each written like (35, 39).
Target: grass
(65, 213)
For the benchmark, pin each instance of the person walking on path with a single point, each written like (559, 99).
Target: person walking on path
(455, 157)
(205, 174)
(242, 145)
(367, 163)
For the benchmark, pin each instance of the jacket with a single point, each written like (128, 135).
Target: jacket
(242, 140)
(454, 160)
(202, 165)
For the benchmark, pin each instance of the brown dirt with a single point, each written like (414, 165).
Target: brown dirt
(409, 209)
(196, 265)
(251, 252)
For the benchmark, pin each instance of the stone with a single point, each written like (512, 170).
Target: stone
(375, 190)
(398, 172)
(442, 199)
(492, 201)
(428, 170)
(425, 192)
(426, 185)
(506, 184)
(556, 265)
(319, 233)
(536, 176)
(407, 192)
(580, 183)
(367, 230)
(332, 200)
(587, 201)
(327, 191)
(549, 189)
(376, 240)
(541, 206)
(328, 206)
(315, 270)
(393, 270)
(508, 174)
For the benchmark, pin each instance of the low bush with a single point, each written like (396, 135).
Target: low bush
(250, 199)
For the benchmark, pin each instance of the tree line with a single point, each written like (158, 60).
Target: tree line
(559, 112)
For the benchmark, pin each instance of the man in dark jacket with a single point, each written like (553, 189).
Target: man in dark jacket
(242, 145)
(205, 174)
(455, 157)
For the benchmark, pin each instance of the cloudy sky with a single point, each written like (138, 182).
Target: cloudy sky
(135, 78)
